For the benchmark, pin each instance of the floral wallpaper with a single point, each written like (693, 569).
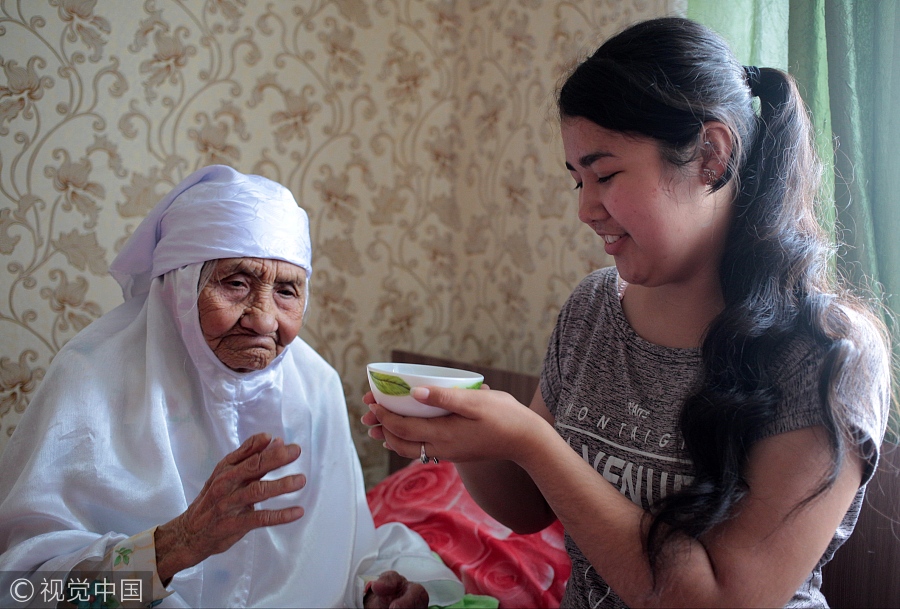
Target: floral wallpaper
(419, 135)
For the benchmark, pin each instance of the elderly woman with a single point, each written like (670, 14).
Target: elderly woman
(190, 435)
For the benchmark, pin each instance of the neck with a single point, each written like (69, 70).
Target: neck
(675, 315)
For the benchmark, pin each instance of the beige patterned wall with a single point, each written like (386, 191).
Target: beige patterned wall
(418, 134)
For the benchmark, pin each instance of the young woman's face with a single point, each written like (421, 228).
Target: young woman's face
(660, 223)
(251, 309)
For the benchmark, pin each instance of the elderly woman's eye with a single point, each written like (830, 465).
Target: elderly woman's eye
(233, 282)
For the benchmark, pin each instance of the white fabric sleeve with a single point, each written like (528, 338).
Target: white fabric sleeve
(135, 555)
(103, 568)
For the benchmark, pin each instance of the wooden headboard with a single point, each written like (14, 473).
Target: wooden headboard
(520, 386)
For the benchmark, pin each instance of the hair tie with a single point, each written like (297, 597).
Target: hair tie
(752, 74)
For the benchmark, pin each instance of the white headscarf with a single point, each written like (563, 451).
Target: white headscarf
(216, 212)
(136, 410)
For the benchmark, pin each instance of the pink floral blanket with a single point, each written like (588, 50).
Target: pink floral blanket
(517, 570)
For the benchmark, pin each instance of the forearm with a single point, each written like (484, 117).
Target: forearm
(610, 529)
(758, 557)
(508, 494)
(172, 552)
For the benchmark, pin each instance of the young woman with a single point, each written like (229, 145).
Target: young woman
(711, 408)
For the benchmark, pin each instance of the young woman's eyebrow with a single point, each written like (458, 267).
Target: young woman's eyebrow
(589, 159)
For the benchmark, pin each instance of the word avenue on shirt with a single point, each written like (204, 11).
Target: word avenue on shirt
(630, 452)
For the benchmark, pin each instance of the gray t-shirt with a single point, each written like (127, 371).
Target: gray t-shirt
(616, 399)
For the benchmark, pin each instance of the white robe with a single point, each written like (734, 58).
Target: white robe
(128, 424)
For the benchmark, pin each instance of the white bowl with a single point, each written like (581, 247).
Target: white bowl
(391, 384)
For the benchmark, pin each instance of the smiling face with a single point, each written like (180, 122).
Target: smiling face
(660, 223)
(251, 309)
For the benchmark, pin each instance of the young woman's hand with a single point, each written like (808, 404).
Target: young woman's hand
(483, 425)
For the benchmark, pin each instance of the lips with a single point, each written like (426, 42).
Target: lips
(262, 340)
(613, 244)
(252, 341)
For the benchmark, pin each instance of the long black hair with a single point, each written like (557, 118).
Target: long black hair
(664, 79)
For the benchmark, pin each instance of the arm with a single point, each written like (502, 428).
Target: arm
(505, 491)
(758, 557)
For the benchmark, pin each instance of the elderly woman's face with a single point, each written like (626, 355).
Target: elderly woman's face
(251, 309)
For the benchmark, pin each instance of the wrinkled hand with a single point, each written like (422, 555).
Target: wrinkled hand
(483, 425)
(224, 511)
(393, 591)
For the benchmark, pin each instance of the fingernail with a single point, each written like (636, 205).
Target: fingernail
(420, 393)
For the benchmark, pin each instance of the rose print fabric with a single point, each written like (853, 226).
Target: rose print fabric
(518, 570)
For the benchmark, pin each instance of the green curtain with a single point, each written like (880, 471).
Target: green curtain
(756, 30)
(863, 44)
(845, 55)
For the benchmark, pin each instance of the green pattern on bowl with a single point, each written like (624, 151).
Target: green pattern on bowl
(389, 384)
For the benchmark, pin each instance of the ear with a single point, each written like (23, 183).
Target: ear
(715, 151)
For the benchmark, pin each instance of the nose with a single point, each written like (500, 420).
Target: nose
(590, 206)
(260, 315)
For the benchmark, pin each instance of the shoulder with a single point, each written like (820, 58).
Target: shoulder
(869, 335)
(593, 302)
(103, 332)
(863, 373)
(84, 387)
(592, 318)
(848, 377)
(83, 364)
(599, 281)
(598, 288)
(861, 350)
